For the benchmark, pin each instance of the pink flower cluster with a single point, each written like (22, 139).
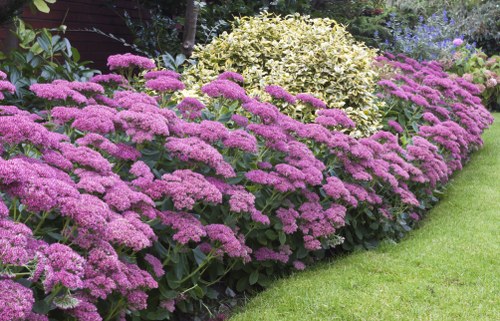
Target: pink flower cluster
(453, 114)
(70, 92)
(125, 184)
(129, 60)
(5, 86)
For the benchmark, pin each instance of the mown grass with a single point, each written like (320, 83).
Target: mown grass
(449, 269)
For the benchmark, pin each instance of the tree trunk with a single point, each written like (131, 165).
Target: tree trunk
(189, 36)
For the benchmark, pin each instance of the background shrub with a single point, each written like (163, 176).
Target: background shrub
(300, 54)
(479, 69)
(429, 39)
(43, 55)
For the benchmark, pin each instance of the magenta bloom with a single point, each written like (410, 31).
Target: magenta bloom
(17, 245)
(266, 254)
(6, 86)
(16, 301)
(188, 228)
(129, 60)
(64, 266)
(239, 120)
(155, 264)
(161, 73)
(165, 84)
(311, 100)
(233, 76)
(226, 89)
(242, 140)
(457, 42)
(289, 219)
(142, 126)
(190, 108)
(279, 93)
(185, 187)
(396, 126)
(57, 91)
(109, 79)
(86, 88)
(298, 265)
(230, 244)
(333, 118)
(195, 149)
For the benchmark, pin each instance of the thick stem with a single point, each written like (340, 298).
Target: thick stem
(189, 36)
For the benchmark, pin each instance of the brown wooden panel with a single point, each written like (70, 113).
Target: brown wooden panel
(85, 14)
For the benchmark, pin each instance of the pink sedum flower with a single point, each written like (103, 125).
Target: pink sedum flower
(162, 73)
(155, 264)
(165, 84)
(129, 60)
(16, 301)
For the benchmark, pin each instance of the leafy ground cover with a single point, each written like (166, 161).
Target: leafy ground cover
(446, 270)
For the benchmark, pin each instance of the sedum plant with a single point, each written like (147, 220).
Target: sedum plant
(316, 56)
(116, 203)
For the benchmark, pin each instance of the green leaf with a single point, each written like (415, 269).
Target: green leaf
(160, 314)
(75, 54)
(282, 238)
(66, 302)
(41, 307)
(264, 281)
(166, 293)
(44, 43)
(172, 281)
(242, 284)
(270, 234)
(254, 277)
(199, 256)
(41, 6)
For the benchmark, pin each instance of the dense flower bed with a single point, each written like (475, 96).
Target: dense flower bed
(117, 203)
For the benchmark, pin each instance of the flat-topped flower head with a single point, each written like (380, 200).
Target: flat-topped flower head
(230, 244)
(86, 88)
(190, 108)
(239, 120)
(187, 226)
(165, 84)
(127, 99)
(226, 89)
(58, 91)
(195, 149)
(109, 79)
(334, 118)
(129, 60)
(278, 92)
(16, 301)
(6, 86)
(64, 266)
(155, 264)
(233, 76)
(395, 126)
(162, 73)
(311, 100)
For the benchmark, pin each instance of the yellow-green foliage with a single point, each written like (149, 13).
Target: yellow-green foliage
(302, 55)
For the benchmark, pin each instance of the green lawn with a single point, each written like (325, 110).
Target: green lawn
(449, 269)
